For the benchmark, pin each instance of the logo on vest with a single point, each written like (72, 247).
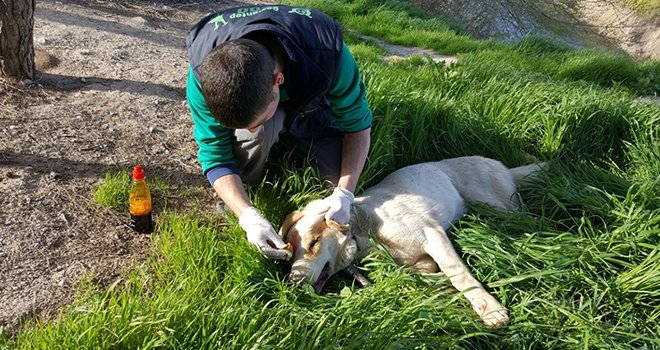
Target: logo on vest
(244, 12)
(218, 19)
(302, 11)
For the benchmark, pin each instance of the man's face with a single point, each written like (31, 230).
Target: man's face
(269, 112)
(265, 116)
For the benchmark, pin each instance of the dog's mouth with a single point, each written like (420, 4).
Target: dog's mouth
(323, 278)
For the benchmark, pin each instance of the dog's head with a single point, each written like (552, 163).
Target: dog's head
(320, 248)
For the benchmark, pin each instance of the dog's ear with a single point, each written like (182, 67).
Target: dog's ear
(337, 226)
(289, 221)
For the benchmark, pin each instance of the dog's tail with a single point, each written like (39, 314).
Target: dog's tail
(526, 174)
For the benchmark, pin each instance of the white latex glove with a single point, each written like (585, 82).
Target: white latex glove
(261, 234)
(340, 206)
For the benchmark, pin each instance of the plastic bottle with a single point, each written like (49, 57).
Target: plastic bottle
(139, 203)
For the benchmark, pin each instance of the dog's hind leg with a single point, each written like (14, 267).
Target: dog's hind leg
(526, 174)
(441, 250)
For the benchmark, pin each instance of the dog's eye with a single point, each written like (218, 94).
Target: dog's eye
(313, 246)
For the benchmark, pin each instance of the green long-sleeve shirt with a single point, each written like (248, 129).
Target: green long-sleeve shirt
(348, 105)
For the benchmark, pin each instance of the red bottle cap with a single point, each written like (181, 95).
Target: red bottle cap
(138, 173)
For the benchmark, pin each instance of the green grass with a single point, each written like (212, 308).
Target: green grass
(578, 267)
(113, 191)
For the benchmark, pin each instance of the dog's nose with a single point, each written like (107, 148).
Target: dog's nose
(296, 277)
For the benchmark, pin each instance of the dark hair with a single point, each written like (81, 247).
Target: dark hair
(237, 82)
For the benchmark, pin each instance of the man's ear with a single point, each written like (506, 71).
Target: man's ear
(289, 221)
(278, 78)
(337, 226)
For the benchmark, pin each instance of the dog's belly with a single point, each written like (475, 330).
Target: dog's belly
(406, 202)
(404, 219)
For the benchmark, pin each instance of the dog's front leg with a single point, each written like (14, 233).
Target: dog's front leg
(441, 250)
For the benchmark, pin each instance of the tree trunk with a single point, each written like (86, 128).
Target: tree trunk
(16, 38)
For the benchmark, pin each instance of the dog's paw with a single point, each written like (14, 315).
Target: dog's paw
(488, 308)
(495, 318)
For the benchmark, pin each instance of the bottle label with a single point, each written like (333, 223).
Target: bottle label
(140, 207)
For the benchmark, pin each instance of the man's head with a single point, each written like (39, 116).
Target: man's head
(240, 83)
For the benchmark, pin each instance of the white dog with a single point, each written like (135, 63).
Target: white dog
(408, 213)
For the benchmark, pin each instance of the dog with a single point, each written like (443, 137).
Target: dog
(408, 213)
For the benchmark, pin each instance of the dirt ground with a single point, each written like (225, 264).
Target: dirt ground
(111, 93)
(634, 35)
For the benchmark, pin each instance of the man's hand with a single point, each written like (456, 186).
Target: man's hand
(261, 234)
(340, 206)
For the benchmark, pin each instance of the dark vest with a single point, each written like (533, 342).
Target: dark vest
(311, 39)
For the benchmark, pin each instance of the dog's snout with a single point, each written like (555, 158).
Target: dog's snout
(296, 277)
(300, 271)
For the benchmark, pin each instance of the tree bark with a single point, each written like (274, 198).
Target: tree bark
(16, 38)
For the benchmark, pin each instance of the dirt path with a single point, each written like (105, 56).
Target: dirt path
(398, 52)
(636, 36)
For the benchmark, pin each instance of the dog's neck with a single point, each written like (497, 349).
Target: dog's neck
(361, 223)
(359, 226)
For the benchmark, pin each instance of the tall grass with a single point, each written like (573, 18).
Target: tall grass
(577, 267)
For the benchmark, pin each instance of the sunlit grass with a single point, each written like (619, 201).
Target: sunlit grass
(114, 190)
